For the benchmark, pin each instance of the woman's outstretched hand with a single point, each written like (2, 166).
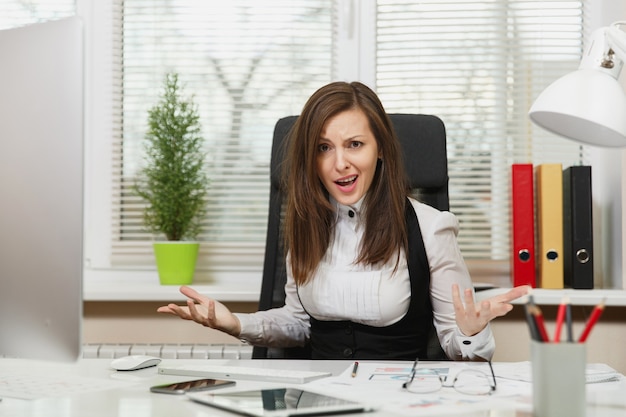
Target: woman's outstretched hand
(205, 311)
(473, 317)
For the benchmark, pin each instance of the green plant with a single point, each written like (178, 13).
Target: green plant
(173, 182)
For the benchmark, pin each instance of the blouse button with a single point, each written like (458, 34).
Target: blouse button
(350, 213)
(347, 352)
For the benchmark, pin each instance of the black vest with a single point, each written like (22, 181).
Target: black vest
(406, 339)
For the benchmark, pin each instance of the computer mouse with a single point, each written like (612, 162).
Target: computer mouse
(134, 362)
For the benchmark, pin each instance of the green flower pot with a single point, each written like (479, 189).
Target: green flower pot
(176, 261)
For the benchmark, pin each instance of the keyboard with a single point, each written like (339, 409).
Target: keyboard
(30, 387)
(205, 370)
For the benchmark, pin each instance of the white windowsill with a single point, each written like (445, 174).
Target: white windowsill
(143, 285)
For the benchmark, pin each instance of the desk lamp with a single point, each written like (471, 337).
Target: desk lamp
(589, 104)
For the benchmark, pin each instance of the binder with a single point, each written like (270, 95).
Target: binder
(549, 186)
(577, 228)
(523, 225)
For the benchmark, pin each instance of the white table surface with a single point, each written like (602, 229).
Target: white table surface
(131, 396)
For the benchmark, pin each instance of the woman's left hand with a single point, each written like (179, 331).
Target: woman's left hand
(473, 317)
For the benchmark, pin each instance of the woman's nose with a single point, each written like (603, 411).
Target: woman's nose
(341, 160)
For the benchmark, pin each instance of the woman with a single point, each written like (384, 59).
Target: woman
(352, 291)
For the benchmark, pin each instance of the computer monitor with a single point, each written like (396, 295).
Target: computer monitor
(41, 190)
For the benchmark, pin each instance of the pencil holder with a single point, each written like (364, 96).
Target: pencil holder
(558, 378)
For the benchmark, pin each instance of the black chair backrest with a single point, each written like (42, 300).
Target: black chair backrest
(423, 141)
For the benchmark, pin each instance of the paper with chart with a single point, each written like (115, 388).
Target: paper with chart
(381, 383)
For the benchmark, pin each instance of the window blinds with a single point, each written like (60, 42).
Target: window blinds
(478, 65)
(16, 13)
(246, 64)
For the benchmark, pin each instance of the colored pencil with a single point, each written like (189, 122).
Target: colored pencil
(560, 318)
(538, 317)
(593, 319)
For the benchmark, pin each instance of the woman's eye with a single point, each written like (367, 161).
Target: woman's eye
(356, 144)
(323, 148)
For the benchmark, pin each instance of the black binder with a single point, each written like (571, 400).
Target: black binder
(577, 227)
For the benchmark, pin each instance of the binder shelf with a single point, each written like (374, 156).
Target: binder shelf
(554, 297)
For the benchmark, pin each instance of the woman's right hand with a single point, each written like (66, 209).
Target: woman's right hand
(205, 311)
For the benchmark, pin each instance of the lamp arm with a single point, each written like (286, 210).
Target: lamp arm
(606, 50)
(616, 39)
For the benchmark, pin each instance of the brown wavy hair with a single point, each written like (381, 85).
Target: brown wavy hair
(309, 216)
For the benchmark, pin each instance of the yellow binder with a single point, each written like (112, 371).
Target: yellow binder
(549, 187)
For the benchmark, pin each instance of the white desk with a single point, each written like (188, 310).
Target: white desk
(133, 399)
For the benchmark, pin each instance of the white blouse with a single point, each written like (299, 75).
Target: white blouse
(375, 296)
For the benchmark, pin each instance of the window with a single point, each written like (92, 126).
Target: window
(247, 64)
(16, 13)
(477, 65)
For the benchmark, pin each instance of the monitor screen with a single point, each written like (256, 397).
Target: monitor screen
(41, 190)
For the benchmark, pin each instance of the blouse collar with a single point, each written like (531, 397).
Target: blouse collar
(352, 211)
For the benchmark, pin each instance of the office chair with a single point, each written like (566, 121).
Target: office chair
(423, 141)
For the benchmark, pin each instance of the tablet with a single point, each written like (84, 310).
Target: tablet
(281, 402)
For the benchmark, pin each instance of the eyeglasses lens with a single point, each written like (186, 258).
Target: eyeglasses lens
(473, 382)
(425, 380)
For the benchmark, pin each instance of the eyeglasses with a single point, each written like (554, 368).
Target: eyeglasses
(467, 381)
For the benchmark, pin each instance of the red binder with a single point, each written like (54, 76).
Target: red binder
(523, 225)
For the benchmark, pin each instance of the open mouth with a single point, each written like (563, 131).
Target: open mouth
(344, 182)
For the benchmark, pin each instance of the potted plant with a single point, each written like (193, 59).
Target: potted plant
(173, 183)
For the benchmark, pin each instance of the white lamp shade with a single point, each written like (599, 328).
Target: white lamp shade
(587, 105)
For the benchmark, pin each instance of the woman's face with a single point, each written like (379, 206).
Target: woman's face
(347, 153)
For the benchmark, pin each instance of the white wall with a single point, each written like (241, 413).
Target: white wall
(609, 188)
